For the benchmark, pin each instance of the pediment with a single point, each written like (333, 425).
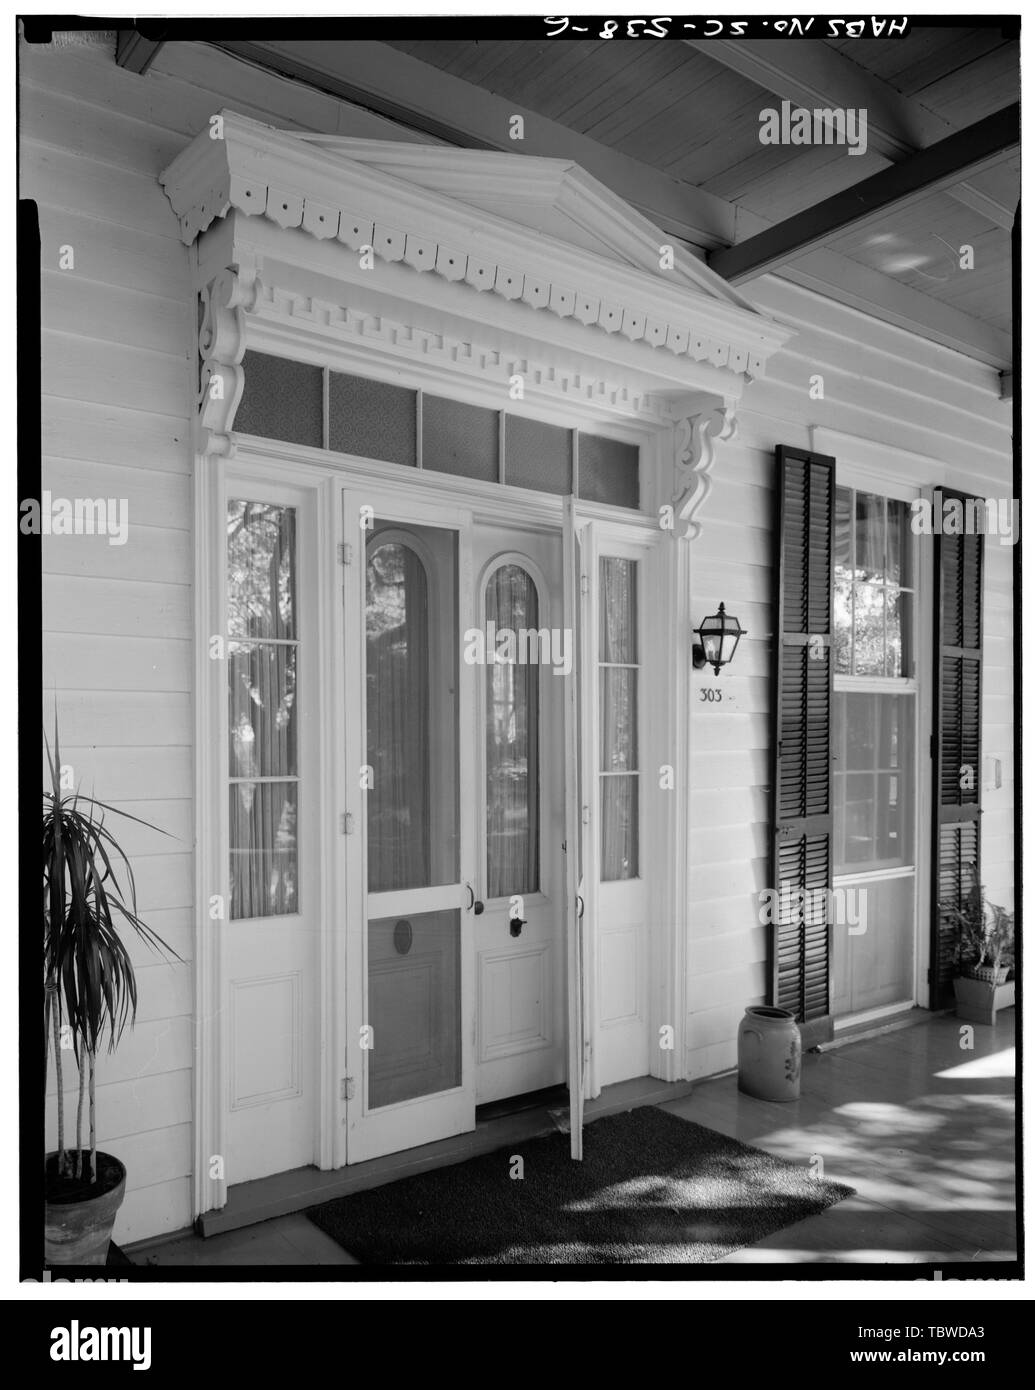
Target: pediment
(536, 247)
(554, 197)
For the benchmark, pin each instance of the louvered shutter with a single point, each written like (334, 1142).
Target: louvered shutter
(956, 743)
(800, 743)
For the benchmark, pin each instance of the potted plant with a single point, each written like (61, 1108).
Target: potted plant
(983, 957)
(89, 995)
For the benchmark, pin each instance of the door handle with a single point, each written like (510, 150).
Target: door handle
(516, 923)
(580, 906)
(474, 903)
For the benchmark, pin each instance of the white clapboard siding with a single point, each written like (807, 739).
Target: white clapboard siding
(118, 663)
(175, 927)
(109, 193)
(155, 1210)
(126, 774)
(91, 433)
(136, 378)
(152, 554)
(119, 719)
(81, 603)
(108, 253)
(887, 387)
(149, 1047)
(130, 1106)
(152, 498)
(71, 303)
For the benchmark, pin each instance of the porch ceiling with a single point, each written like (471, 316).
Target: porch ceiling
(610, 107)
(917, 91)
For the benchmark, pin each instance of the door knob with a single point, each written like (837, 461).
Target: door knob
(474, 903)
(516, 923)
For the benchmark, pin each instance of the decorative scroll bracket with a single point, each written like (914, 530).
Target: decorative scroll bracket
(697, 436)
(225, 301)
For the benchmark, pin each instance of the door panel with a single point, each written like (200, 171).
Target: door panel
(414, 997)
(520, 801)
(270, 932)
(408, 950)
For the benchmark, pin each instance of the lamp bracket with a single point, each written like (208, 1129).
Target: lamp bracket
(697, 434)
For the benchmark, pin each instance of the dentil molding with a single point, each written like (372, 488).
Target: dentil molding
(263, 173)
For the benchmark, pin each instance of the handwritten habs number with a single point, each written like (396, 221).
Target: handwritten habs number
(634, 28)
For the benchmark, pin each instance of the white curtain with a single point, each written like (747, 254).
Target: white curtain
(619, 753)
(512, 743)
(261, 673)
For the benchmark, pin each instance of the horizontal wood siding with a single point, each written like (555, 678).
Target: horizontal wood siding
(118, 361)
(890, 388)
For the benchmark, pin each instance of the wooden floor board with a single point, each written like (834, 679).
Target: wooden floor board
(922, 1129)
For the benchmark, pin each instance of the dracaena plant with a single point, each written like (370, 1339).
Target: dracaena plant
(90, 990)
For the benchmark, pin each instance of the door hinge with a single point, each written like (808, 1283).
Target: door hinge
(584, 583)
(344, 553)
(348, 823)
(348, 1088)
(585, 815)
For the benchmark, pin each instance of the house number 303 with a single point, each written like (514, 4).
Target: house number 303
(711, 693)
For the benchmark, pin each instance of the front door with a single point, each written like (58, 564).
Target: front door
(409, 948)
(521, 652)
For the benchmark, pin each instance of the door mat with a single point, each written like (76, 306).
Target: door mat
(651, 1189)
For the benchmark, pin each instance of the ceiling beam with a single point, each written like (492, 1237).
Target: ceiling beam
(420, 97)
(135, 53)
(817, 77)
(937, 167)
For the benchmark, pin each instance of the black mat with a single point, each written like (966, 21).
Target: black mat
(651, 1189)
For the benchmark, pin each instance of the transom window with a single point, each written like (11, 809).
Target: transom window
(304, 404)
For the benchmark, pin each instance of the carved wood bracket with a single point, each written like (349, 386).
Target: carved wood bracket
(225, 301)
(697, 436)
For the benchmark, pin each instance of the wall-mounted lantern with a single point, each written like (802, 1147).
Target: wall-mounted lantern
(719, 636)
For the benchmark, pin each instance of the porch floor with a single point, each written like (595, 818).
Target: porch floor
(923, 1130)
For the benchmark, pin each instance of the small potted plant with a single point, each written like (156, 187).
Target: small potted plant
(89, 995)
(983, 957)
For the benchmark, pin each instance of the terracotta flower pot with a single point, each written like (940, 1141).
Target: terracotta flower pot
(78, 1233)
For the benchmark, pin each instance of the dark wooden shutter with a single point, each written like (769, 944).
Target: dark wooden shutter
(956, 742)
(800, 744)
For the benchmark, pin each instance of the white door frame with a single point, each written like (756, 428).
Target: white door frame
(867, 467)
(406, 492)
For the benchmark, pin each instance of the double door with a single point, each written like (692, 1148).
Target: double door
(462, 908)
